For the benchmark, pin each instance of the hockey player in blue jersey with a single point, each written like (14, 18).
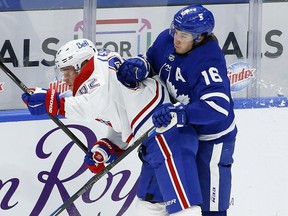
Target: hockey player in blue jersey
(191, 64)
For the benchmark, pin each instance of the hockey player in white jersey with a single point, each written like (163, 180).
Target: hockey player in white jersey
(169, 182)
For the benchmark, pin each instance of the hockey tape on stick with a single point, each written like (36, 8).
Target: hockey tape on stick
(25, 89)
(98, 176)
(172, 124)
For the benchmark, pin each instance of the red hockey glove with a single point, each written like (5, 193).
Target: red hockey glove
(92, 166)
(103, 151)
(52, 102)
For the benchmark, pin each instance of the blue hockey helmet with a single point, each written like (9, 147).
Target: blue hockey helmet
(194, 19)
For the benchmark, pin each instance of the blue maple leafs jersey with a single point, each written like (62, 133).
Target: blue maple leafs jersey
(199, 80)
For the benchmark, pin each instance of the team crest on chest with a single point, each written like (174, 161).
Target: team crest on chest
(183, 98)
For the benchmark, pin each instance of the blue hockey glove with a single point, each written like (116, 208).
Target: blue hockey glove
(36, 101)
(133, 70)
(163, 115)
(42, 101)
(103, 151)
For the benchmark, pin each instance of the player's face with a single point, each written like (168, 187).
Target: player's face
(69, 75)
(183, 42)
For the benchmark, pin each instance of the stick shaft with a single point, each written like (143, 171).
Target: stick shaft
(25, 89)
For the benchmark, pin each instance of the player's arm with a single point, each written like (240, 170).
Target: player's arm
(85, 106)
(91, 88)
(116, 137)
(137, 69)
(214, 101)
(210, 109)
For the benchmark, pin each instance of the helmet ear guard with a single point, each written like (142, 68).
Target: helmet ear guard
(74, 53)
(194, 19)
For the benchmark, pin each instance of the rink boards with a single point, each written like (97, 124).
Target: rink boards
(41, 167)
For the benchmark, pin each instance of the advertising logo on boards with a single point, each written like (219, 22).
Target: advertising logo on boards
(240, 74)
(118, 34)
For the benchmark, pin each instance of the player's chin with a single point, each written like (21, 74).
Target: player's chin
(179, 50)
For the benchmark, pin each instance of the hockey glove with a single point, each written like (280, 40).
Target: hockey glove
(42, 101)
(52, 102)
(35, 104)
(103, 151)
(163, 115)
(133, 70)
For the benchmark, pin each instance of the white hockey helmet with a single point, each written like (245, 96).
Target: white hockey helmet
(74, 52)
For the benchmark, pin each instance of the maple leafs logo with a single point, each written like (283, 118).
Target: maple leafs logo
(173, 92)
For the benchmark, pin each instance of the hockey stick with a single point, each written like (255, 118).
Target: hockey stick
(55, 119)
(98, 176)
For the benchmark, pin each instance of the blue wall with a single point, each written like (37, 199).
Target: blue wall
(240, 103)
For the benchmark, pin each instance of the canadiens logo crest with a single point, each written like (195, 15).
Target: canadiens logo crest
(108, 123)
(240, 74)
(1, 86)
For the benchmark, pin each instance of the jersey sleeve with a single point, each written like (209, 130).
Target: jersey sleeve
(116, 138)
(212, 107)
(87, 106)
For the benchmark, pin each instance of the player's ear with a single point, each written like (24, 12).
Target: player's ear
(201, 38)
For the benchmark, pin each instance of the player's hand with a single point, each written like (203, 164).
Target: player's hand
(91, 164)
(133, 70)
(163, 115)
(36, 101)
(52, 102)
(42, 101)
(103, 151)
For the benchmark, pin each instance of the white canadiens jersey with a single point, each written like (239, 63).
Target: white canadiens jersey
(100, 96)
